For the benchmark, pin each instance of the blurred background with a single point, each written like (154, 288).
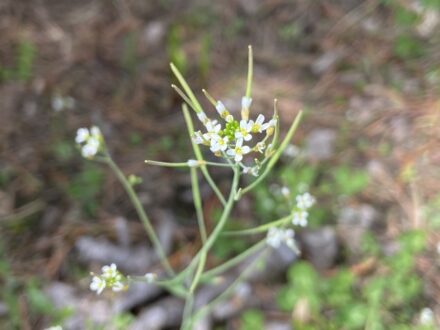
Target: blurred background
(366, 72)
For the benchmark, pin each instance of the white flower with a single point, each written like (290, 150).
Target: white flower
(213, 126)
(198, 138)
(239, 150)
(110, 278)
(98, 284)
(219, 143)
(95, 132)
(213, 129)
(110, 271)
(89, 141)
(246, 102)
(244, 130)
(90, 149)
(221, 109)
(150, 277)
(202, 117)
(277, 236)
(300, 218)
(257, 125)
(82, 134)
(260, 146)
(426, 316)
(270, 124)
(118, 286)
(438, 247)
(251, 170)
(305, 201)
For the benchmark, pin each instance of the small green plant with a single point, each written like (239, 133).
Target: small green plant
(23, 70)
(231, 140)
(252, 319)
(386, 300)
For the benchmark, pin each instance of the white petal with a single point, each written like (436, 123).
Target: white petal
(260, 119)
(246, 102)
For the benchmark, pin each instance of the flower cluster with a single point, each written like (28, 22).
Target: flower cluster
(90, 141)
(303, 203)
(277, 236)
(110, 278)
(229, 140)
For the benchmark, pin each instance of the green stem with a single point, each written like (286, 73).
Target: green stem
(250, 73)
(187, 312)
(259, 229)
(198, 204)
(185, 164)
(142, 215)
(232, 262)
(222, 222)
(202, 311)
(199, 156)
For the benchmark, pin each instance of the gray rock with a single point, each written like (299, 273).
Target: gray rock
(166, 313)
(277, 325)
(137, 294)
(354, 222)
(325, 62)
(154, 33)
(3, 309)
(134, 260)
(320, 144)
(320, 246)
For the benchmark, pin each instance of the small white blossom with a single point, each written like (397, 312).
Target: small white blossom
(244, 130)
(270, 124)
(305, 201)
(89, 141)
(251, 170)
(213, 126)
(110, 278)
(198, 138)
(426, 316)
(238, 151)
(109, 271)
(150, 277)
(257, 125)
(438, 247)
(246, 102)
(82, 134)
(90, 149)
(219, 143)
(299, 218)
(95, 132)
(221, 109)
(98, 284)
(277, 236)
(202, 117)
(118, 286)
(260, 146)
